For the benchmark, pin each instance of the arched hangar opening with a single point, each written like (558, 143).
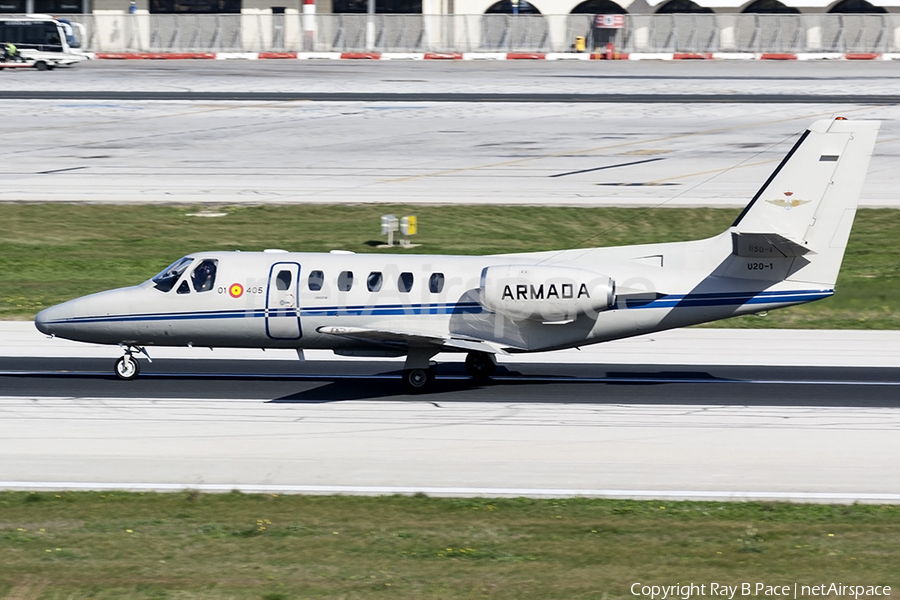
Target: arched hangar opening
(770, 7)
(856, 6)
(598, 7)
(682, 6)
(507, 7)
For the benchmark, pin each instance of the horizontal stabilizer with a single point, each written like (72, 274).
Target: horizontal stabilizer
(765, 245)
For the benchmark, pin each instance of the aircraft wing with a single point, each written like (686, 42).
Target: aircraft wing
(393, 337)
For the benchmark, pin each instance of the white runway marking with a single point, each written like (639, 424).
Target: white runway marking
(829, 498)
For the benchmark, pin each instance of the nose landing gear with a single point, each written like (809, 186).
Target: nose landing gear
(128, 367)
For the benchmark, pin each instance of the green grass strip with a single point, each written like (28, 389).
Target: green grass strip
(52, 253)
(270, 547)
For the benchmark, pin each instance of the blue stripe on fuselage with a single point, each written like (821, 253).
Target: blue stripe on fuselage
(667, 301)
(729, 298)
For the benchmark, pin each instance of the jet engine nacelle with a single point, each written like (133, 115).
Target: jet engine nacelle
(544, 292)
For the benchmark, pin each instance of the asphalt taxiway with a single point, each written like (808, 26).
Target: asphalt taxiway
(249, 132)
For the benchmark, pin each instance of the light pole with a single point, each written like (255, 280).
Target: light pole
(370, 26)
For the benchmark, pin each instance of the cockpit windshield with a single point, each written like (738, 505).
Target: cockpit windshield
(169, 276)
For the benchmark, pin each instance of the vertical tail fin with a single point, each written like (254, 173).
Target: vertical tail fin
(806, 207)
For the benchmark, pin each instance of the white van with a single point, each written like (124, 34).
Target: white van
(43, 41)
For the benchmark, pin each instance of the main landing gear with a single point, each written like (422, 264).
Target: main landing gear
(418, 381)
(128, 367)
(480, 365)
(418, 374)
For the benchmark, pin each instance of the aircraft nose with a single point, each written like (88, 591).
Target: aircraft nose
(44, 321)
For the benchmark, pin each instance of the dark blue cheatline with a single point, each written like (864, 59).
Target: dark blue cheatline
(668, 301)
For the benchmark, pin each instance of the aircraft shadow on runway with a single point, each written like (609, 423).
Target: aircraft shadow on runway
(506, 385)
(279, 382)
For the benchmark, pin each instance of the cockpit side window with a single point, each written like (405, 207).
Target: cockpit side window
(204, 275)
(169, 276)
(184, 288)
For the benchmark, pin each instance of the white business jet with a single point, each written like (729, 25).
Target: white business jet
(785, 248)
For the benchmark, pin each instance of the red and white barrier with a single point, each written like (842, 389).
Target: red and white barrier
(773, 56)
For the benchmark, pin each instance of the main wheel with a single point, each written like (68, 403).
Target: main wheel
(40, 65)
(418, 381)
(127, 368)
(480, 365)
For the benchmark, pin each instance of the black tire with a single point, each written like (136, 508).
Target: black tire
(480, 365)
(41, 65)
(418, 381)
(127, 368)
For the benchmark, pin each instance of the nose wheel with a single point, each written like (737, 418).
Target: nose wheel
(127, 367)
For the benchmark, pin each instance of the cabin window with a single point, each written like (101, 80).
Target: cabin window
(405, 282)
(283, 281)
(373, 282)
(345, 281)
(169, 276)
(315, 281)
(436, 283)
(184, 288)
(203, 276)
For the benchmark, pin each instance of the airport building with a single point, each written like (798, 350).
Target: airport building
(455, 7)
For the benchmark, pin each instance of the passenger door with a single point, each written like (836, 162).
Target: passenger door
(282, 308)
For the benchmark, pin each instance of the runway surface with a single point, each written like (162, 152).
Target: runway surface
(694, 413)
(808, 434)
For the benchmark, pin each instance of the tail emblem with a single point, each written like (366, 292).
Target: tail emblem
(787, 202)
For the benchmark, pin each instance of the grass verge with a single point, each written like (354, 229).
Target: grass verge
(52, 253)
(268, 547)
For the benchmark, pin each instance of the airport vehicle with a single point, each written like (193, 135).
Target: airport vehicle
(43, 41)
(42, 61)
(785, 248)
